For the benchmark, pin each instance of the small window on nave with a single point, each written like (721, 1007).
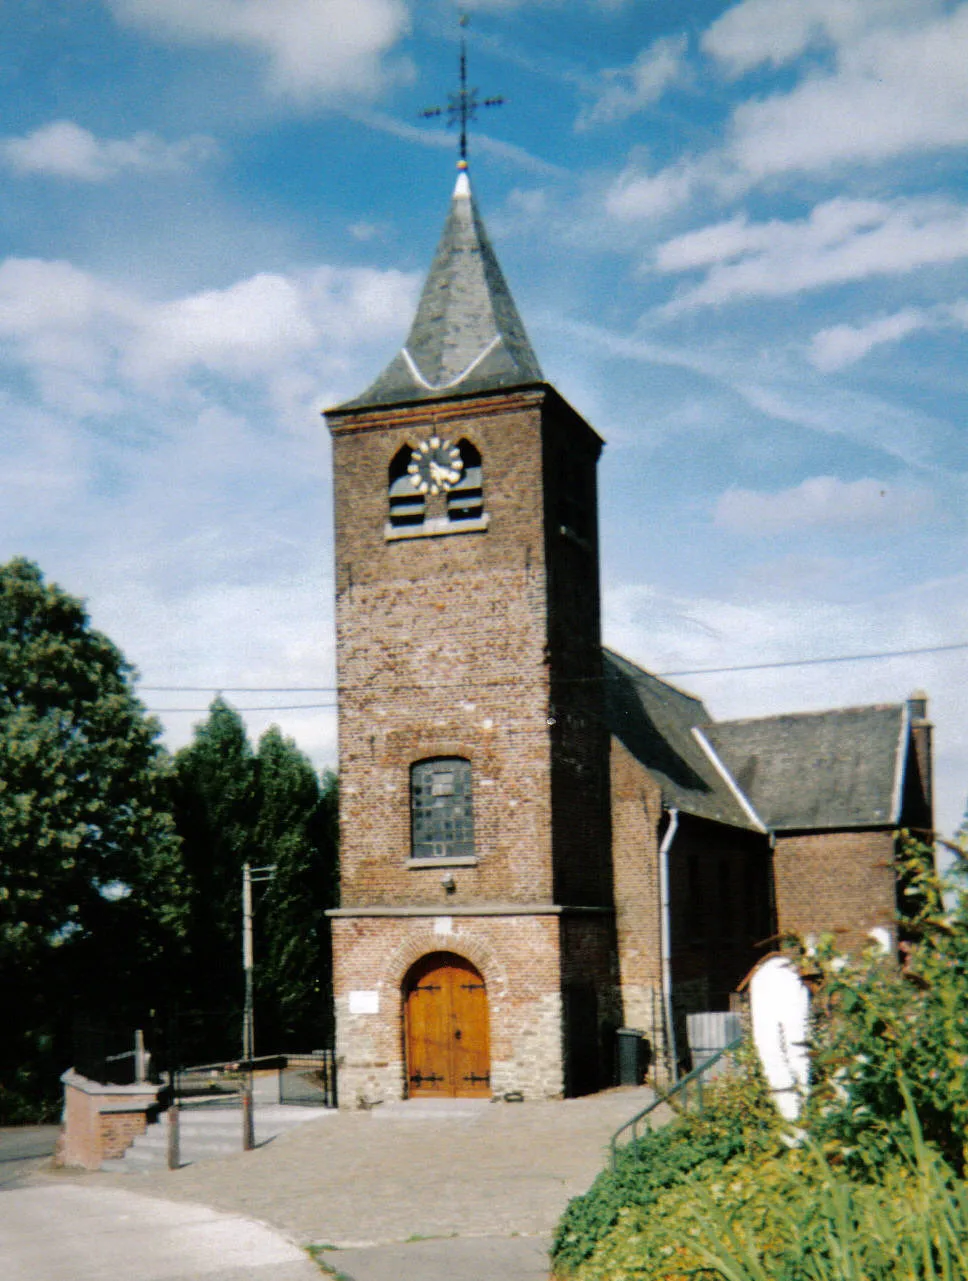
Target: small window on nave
(407, 505)
(465, 501)
(441, 809)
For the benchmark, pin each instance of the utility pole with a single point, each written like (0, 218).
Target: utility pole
(250, 876)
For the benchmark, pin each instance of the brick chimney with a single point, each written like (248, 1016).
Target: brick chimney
(921, 731)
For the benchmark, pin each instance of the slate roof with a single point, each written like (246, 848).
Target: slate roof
(467, 335)
(836, 769)
(655, 722)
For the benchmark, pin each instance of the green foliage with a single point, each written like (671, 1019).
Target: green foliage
(267, 808)
(89, 859)
(814, 1223)
(297, 832)
(739, 1121)
(880, 1029)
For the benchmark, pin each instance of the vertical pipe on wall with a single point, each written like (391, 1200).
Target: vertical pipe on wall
(665, 934)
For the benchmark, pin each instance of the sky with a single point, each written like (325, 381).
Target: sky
(738, 237)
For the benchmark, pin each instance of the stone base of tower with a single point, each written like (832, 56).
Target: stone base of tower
(540, 1040)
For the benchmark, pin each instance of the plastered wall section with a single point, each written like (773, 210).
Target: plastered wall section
(842, 883)
(518, 958)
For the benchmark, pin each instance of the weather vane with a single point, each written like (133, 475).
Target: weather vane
(462, 106)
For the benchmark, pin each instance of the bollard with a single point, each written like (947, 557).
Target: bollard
(174, 1149)
(248, 1120)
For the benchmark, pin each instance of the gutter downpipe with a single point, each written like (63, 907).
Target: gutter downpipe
(665, 933)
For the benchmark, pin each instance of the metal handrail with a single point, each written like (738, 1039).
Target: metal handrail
(680, 1087)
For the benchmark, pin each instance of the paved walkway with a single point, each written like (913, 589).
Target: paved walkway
(407, 1192)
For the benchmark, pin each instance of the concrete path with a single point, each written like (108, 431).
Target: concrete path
(404, 1192)
(90, 1233)
(25, 1149)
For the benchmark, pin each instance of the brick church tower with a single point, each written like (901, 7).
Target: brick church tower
(474, 945)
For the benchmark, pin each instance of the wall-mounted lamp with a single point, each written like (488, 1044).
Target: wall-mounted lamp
(448, 882)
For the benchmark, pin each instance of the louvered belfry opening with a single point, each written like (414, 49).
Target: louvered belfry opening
(465, 501)
(408, 506)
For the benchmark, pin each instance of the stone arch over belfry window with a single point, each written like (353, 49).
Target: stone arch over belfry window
(408, 506)
(465, 500)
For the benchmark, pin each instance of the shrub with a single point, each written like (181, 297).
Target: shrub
(878, 1027)
(739, 1120)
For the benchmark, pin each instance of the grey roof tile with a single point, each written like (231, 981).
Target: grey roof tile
(655, 722)
(831, 769)
(467, 335)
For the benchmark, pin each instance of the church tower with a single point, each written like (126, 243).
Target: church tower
(474, 944)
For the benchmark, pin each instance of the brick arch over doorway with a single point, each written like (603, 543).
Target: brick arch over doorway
(425, 940)
(446, 1029)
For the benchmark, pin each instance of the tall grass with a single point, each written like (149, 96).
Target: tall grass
(910, 1226)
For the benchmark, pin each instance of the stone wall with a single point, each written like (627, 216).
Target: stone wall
(518, 957)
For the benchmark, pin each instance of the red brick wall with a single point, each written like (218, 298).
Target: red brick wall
(483, 645)
(101, 1122)
(835, 882)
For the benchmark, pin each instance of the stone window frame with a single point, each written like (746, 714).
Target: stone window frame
(454, 849)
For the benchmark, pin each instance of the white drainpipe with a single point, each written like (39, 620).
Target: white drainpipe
(665, 934)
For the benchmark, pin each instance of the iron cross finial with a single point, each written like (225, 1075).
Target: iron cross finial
(462, 106)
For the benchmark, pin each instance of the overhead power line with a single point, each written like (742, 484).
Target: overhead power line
(691, 671)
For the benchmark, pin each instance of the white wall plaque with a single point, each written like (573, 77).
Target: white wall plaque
(443, 925)
(364, 1003)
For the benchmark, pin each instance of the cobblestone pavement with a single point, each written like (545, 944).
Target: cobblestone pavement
(499, 1173)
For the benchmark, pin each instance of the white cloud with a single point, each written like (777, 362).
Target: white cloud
(777, 31)
(83, 338)
(895, 91)
(624, 91)
(892, 84)
(841, 345)
(63, 149)
(842, 240)
(636, 195)
(820, 502)
(325, 48)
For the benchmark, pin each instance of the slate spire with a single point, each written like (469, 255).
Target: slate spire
(467, 335)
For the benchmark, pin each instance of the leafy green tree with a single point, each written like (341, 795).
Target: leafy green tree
(90, 893)
(297, 834)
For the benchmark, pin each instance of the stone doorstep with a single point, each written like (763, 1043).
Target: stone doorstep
(431, 1109)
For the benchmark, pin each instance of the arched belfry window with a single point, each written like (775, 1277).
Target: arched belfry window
(465, 500)
(441, 808)
(407, 505)
(435, 487)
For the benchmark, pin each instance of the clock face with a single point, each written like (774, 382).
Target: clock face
(435, 465)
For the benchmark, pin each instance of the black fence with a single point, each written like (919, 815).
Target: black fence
(104, 1051)
(309, 1080)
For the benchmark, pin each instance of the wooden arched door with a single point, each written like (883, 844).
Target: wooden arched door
(448, 1049)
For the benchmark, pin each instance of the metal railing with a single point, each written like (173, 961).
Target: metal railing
(681, 1088)
(308, 1080)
